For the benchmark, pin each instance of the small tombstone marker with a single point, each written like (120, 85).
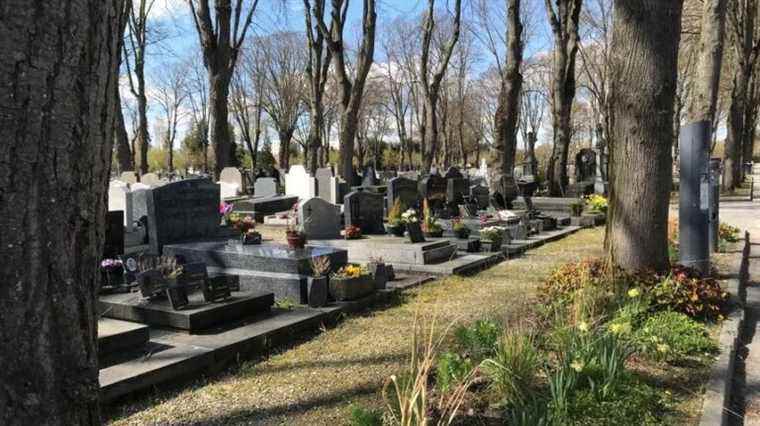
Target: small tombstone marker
(320, 219)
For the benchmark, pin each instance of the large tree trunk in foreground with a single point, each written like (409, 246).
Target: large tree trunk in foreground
(645, 59)
(509, 98)
(707, 82)
(219, 121)
(58, 73)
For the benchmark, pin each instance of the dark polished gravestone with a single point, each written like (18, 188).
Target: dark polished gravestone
(365, 210)
(480, 196)
(405, 190)
(114, 241)
(186, 210)
(267, 267)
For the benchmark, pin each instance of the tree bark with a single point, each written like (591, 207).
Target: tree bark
(564, 23)
(707, 81)
(645, 60)
(59, 70)
(508, 108)
(123, 152)
(219, 120)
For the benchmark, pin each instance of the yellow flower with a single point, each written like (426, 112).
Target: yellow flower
(634, 292)
(583, 326)
(577, 365)
(664, 348)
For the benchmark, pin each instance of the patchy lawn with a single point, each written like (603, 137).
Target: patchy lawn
(317, 381)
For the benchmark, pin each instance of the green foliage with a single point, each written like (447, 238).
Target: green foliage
(597, 203)
(685, 290)
(361, 416)
(394, 214)
(634, 404)
(451, 369)
(478, 340)
(513, 368)
(673, 337)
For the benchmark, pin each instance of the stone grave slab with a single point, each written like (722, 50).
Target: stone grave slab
(263, 206)
(266, 267)
(365, 210)
(199, 315)
(116, 335)
(393, 250)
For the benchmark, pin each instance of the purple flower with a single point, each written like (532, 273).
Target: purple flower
(225, 208)
(111, 264)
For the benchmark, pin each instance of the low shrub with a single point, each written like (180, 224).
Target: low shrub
(673, 337)
(478, 340)
(361, 416)
(570, 277)
(597, 203)
(451, 370)
(685, 290)
(513, 368)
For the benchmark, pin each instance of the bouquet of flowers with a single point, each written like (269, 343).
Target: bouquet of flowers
(352, 232)
(111, 266)
(409, 216)
(492, 233)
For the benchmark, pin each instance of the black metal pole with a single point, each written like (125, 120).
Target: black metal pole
(694, 196)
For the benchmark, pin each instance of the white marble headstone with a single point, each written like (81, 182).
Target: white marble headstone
(300, 184)
(120, 198)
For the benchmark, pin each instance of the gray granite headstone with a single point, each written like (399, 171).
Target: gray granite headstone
(182, 211)
(326, 185)
(365, 210)
(265, 187)
(456, 189)
(369, 178)
(320, 219)
(403, 189)
(479, 194)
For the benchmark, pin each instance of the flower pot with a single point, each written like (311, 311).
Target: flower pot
(296, 241)
(317, 290)
(395, 230)
(343, 289)
(576, 210)
(491, 246)
(379, 272)
(463, 233)
(434, 234)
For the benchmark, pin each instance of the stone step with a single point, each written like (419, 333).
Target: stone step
(116, 335)
(266, 257)
(199, 315)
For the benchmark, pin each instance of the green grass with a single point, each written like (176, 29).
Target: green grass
(320, 381)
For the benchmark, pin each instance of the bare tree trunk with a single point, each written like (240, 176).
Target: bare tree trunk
(564, 23)
(59, 73)
(508, 108)
(645, 61)
(219, 121)
(285, 138)
(123, 152)
(142, 142)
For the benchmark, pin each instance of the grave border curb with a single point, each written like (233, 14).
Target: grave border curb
(718, 390)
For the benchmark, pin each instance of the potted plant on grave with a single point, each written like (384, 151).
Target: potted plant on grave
(247, 229)
(430, 224)
(459, 228)
(294, 231)
(379, 270)
(352, 232)
(317, 288)
(412, 224)
(112, 271)
(576, 208)
(396, 225)
(492, 238)
(351, 282)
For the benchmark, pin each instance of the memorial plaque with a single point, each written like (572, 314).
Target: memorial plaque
(151, 283)
(403, 189)
(415, 232)
(177, 294)
(216, 289)
(193, 275)
(365, 210)
(183, 211)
